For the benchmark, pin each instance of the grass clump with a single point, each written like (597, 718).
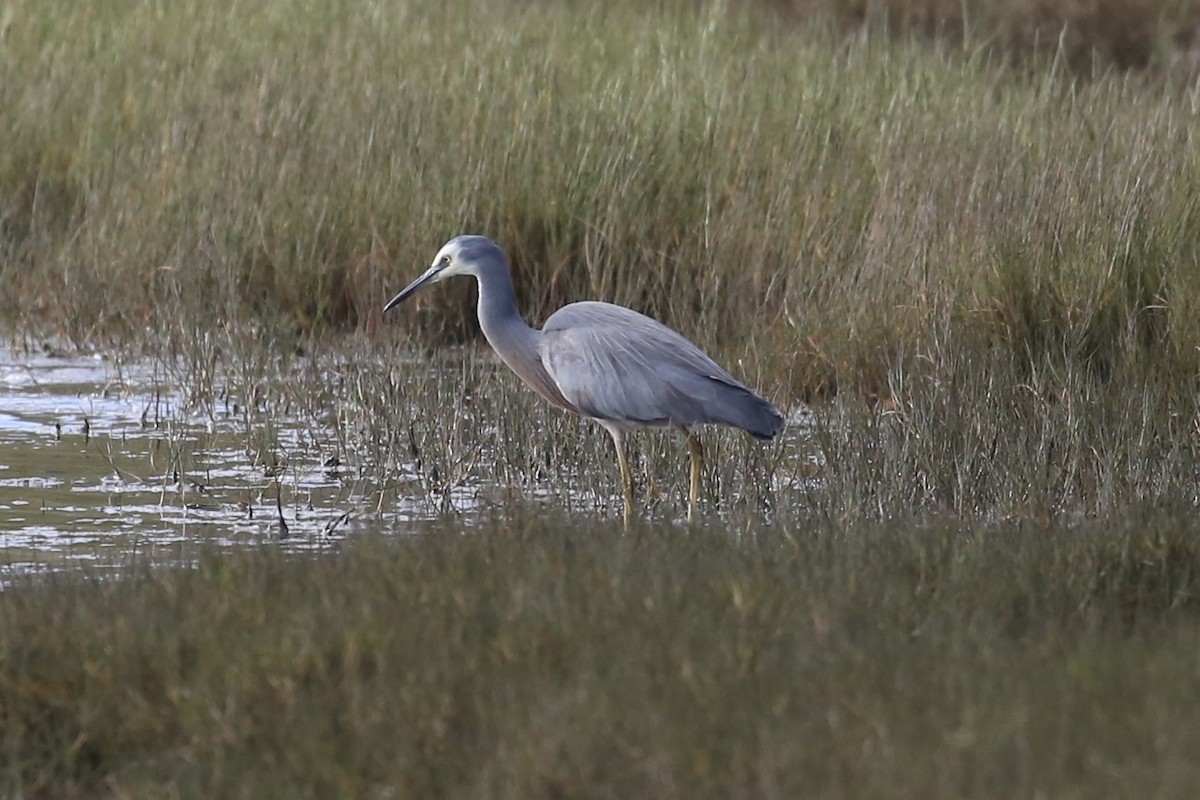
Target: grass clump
(1004, 438)
(535, 658)
(1146, 35)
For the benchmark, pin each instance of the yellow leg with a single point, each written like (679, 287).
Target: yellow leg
(627, 479)
(697, 451)
(626, 475)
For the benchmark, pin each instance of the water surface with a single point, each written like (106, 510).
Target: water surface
(99, 459)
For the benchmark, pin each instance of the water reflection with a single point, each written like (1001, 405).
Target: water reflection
(99, 458)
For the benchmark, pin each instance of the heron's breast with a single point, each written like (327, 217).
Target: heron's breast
(533, 373)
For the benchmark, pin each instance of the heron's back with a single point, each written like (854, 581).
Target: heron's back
(617, 365)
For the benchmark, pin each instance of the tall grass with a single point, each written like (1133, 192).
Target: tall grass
(810, 203)
(1004, 439)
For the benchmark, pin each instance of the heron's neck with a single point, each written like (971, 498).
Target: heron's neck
(500, 320)
(515, 342)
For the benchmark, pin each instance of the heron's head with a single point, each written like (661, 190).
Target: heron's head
(462, 255)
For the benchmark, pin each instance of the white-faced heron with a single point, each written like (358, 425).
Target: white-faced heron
(603, 361)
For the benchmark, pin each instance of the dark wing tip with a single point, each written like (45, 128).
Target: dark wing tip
(770, 422)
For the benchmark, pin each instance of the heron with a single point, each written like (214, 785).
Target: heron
(604, 362)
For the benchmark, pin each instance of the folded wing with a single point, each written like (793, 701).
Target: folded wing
(615, 364)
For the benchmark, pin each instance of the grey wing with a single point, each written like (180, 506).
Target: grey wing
(618, 365)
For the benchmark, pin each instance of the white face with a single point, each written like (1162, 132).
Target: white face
(446, 264)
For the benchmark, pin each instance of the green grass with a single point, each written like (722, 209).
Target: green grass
(548, 658)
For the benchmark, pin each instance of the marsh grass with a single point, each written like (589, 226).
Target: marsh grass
(995, 439)
(992, 437)
(803, 201)
(546, 656)
(1006, 439)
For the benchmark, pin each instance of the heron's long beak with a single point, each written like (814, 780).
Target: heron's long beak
(412, 288)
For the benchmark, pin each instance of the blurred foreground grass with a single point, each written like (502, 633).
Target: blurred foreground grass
(547, 657)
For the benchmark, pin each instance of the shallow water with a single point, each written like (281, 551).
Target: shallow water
(100, 459)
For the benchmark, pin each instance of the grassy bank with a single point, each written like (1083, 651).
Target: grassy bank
(816, 203)
(545, 658)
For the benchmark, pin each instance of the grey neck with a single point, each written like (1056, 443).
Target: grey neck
(499, 318)
(517, 344)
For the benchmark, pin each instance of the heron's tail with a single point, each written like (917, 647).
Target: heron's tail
(740, 407)
(762, 420)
